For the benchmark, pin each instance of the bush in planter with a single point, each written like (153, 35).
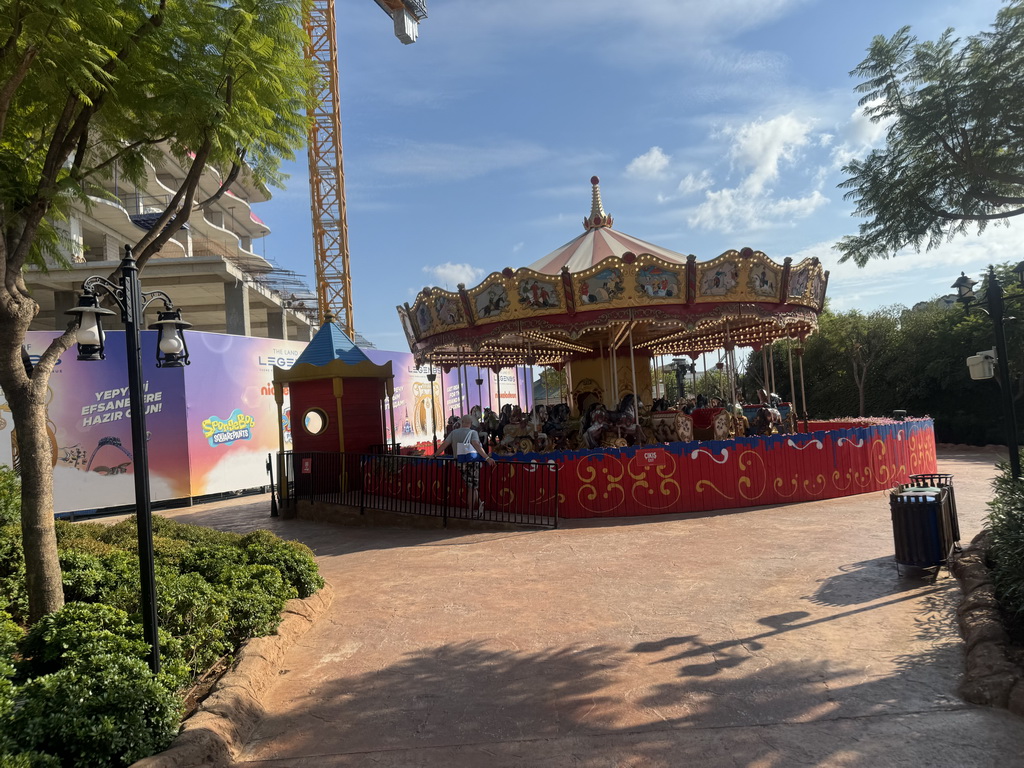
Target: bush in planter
(13, 594)
(10, 496)
(294, 560)
(197, 613)
(257, 593)
(1006, 551)
(103, 710)
(80, 630)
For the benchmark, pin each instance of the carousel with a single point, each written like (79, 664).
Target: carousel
(607, 309)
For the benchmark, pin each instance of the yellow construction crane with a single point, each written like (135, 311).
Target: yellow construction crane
(326, 167)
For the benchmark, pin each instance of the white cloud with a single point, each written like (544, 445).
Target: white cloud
(760, 149)
(760, 146)
(691, 184)
(728, 210)
(650, 165)
(449, 275)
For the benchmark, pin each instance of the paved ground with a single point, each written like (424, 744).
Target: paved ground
(773, 637)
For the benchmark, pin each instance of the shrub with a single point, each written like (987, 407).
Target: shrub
(196, 613)
(82, 575)
(214, 562)
(29, 760)
(194, 534)
(1006, 553)
(10, 496)
(103, 710)
(13, 593)
(257, 595)
(10, 636)
(293, 559)
(80, 630)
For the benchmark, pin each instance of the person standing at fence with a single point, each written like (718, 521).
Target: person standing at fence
(464, 434)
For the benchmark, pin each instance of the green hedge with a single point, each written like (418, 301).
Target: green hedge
(75, 689)
(1006, 554)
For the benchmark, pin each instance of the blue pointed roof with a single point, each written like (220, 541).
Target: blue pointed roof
(330, 344)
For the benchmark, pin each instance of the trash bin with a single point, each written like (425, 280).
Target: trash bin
(921, 526)
(936, 480)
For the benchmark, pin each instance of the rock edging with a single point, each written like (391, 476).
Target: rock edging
(991, 678)
(215, 733)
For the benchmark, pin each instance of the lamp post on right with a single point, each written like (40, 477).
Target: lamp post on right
(995, 304)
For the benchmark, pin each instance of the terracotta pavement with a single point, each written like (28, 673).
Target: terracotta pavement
(769, 637)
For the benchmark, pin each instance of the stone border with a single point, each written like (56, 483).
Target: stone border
(226, 718)
(991, 678)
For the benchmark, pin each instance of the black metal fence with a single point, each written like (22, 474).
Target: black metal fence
(524, 493)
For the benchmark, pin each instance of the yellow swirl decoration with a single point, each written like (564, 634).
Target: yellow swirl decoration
(607, 493)
(820, 479)
(884, 472)
(835, 480)
(777, 485)
(654, 487)
(745, 480)
(699, 487)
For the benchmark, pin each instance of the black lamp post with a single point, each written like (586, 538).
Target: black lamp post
(995, 306)
(171, 353)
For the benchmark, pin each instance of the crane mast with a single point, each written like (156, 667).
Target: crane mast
(326, 164)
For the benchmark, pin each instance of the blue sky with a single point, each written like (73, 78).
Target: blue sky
(711, 125)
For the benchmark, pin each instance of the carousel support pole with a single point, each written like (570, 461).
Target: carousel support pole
(771, 364)
(632, 369)
(497, 388)
(490, 397)
(431, 377)
(568, 383)
(519, 395)
(803, 393)
(731, 359)
(463, 390)
(764, 368)
(792, 389)
(693, 370)
(480, 391)
(391, 410)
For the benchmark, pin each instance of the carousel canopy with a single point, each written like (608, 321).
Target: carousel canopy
(598, 242)
(605, 290)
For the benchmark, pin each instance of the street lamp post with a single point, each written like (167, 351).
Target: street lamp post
(996, 303)
(172, 352)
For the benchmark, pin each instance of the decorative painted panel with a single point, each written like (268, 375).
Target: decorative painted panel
(656, 282)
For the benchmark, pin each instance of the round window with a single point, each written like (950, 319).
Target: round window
(315, 421)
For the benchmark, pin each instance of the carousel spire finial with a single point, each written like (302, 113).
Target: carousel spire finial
(597, 218)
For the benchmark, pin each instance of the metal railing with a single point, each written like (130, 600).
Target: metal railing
(518, 492)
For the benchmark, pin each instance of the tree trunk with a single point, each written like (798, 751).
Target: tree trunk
(42, 566)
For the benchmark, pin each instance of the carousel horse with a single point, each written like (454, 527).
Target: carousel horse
(556, 428)
(767, 421)
(594, 425)
(538, 419)
(615, 429)
(626, 420)
(490, 426)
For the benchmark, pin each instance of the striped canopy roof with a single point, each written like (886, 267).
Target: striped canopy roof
(598, 242)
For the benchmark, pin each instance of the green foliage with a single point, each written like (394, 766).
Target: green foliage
(214, 590)
(80, 630)
(10, 496)
(1006, 553)
(920, 367)
(102, 710)
(13, 595)
(954, 157)
(293, 559)
(191, 609)
(29, 760)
